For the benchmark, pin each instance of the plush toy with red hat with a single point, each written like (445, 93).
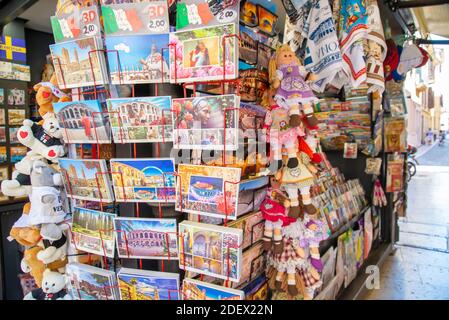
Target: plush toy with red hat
(391, 60)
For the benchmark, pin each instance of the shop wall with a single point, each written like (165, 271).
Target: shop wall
(38, 49)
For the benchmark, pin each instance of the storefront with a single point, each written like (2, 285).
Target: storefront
(204, 150)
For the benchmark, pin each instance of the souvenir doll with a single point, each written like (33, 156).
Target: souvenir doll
(298, 180)
(289, 78)
(280, 133)
(275, 214)
(314, 233)
(293, 264)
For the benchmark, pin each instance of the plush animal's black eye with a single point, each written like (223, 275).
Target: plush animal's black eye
(53, 285)
(45, 283)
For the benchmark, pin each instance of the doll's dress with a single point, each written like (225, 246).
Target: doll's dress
(313, 237)
(280, 132)
(300, 176)
(293, 88)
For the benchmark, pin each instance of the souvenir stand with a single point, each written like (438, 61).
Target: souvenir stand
(172, 174)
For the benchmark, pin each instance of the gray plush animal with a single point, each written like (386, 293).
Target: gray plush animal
(47, 207)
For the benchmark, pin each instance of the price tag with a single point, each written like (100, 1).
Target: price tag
(90, 29)
(157, 17)
(88, 16)
(227, 15)
(157, 25)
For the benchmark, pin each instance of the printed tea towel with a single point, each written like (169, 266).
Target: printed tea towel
(353, 29)
(323, 56)
(375, 50)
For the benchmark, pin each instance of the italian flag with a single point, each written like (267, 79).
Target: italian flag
(116, 20)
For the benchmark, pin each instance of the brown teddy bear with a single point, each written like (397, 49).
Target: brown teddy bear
(48, 93)
(31, 264)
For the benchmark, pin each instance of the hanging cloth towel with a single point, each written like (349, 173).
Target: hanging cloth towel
(323, 56)
(375, 50)
(353, 29)
(379, 199)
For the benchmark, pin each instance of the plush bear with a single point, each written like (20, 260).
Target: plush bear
(23, 232)
(53, 288)
(45, 139)
(47, 93)
(32, 265)
(54, 250)
(47, 206)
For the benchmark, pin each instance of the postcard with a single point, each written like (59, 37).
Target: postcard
(199, 290)
(3, 154)
(4, 175)
(79, 63)
(144, 180)
(205, 122)
(83, 122)
(137, 59)
(16, 117)
(194, 13)
(264, 54)
(13, 135)
(136, 18)
(145, 238)
(148, 285)
(2, 134)
(79, 23)
(93, 231)
(18, 153)
(211, 250)
(267, 20)
(253, 264)
(2, 117)
(144, 119)
(204, 54)
(21, 72)
(248, 45)
(252, 225)
(86, 282)
(86, 179)
(16, 97)
(201, 190)
(2, 96)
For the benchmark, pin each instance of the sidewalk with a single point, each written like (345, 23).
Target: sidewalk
(424, 148)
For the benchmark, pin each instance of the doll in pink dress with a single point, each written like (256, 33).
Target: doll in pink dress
(289, 77)
(275, 214)
(280, 133)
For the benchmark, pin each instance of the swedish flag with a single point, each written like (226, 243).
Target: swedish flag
(12, 48)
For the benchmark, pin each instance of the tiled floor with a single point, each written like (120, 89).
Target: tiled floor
(419, 267)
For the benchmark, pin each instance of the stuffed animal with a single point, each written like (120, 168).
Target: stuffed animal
(47, 93)
(54, 250)
(297, 179)
(23, 232)
(53, 288)
(289, 78)
(47, 205)
(44, 139)
(31, 264)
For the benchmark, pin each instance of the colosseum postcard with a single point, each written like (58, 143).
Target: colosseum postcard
(141, 120)
(144, 180)
(83, 122)
(145, 238)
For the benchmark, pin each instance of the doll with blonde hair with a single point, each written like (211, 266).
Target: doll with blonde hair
(289, 77)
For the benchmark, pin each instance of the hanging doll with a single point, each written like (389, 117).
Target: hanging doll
(275, 214)
(280, 133)
(293, 265)
(299, 180)
(289, 77)
(314, 233)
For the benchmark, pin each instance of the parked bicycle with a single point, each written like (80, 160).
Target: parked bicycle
(411, 162)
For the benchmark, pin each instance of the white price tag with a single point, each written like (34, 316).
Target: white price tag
(90, 30)
(227, 15)
(158, 25)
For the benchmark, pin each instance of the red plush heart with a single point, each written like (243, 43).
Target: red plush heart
(23, 134)
(52, 154)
